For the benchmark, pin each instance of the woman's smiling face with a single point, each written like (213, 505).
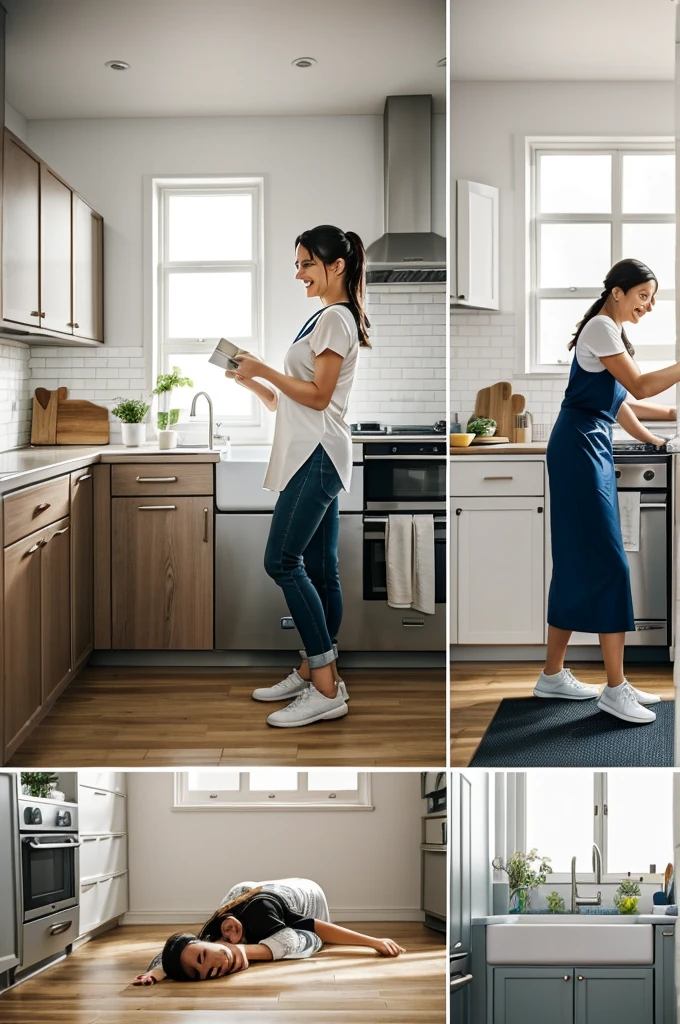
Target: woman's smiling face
(203, 960)
(232, 929)
(311, 271)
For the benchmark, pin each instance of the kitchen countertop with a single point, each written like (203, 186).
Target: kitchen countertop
(664, 919)
(511, 448)
(24, 466)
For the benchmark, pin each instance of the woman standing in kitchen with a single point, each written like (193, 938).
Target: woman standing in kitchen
(590, 589)
(311, 462)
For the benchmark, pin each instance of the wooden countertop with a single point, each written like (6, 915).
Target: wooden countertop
(533, 448)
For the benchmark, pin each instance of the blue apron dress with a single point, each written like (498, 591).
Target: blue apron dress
(590, 587)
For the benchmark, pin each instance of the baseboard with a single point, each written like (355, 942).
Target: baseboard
(265, 659)
(195, 917)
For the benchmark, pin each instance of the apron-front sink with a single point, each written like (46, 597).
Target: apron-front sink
(570, 940)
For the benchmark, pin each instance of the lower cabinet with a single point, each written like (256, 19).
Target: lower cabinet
(573, 995)
(102, 901)
(102, 815)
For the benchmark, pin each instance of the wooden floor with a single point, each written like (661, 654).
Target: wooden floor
(349, 986)
(477, 688)
(151, 716)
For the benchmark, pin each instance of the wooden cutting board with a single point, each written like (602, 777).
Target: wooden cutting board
(498, 403)
(60, 420)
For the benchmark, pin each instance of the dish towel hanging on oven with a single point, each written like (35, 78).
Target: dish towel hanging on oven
(409, 562)
(629, 512)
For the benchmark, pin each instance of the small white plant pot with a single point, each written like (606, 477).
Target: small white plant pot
(134, 434)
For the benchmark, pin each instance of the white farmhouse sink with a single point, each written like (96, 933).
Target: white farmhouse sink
(570, 940)
(248, 453)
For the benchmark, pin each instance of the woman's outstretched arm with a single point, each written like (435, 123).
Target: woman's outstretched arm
(649, 411)
(641, 385)
(153, 973)
(630, 423)
(335, 934)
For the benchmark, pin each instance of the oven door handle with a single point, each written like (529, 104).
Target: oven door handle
(379, 520)
(652, 504)
(460, 982)
(427, 457)
(52, 846)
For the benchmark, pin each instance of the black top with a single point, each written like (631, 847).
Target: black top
(262, 915)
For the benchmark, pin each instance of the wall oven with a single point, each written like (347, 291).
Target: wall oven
(405, 476)
(375, 565)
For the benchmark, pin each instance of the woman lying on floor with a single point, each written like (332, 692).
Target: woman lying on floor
(286, 919)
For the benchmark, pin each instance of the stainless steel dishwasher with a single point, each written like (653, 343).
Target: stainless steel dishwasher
(250, 611)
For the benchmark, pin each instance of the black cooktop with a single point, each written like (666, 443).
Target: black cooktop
(374, 429)
(637, 448)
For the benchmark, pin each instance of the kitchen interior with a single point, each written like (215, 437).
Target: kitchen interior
(524, 273)
(563, 898)
(136, 614)
(87, 901)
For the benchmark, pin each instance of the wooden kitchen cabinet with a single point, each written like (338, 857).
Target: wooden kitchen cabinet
(55, 610)
(82, 564)
(88, 272)
(55, 252)
(162, 573)
(22, 660)
(20, 234)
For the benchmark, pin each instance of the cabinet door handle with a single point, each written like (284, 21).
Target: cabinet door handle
(413, 623)
(88, 476)
(667, 935)
(36, 547)
(43, 506)
(76, 325)
(154, 508)
(73, 325)
(43, 315)
(156, 479)
(35, 312)
(499, 478)
(205, 525)
(58, 929)
(58, 532)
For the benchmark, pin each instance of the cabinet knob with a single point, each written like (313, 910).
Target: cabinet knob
(580, 977)
(43, 315)
(565, 978)
(76, 325)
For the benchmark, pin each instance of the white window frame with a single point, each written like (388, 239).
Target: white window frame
(529, 221)
(300, 799)
(167, 351)
(517, 800)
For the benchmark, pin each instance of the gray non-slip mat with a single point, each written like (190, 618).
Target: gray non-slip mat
(529, 732)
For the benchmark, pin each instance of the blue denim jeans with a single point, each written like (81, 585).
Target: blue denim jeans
(302, 554)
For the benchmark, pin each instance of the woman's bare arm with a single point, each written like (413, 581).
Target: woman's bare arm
(650, 411)
(631, 424)
(314, 394)
(335, 934)
(269, 398)
(641, 385)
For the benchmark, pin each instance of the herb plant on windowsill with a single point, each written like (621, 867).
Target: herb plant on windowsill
(131, 412)
(627, 897)
(165, 382)
(522, 877)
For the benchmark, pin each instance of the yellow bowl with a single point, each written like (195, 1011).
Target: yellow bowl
(461, 440)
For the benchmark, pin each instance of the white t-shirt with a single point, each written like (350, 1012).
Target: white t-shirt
(299, 429)
(599, 337)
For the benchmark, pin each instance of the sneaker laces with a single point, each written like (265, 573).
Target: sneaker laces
(628, 693)
(301, 697)
(571, 681)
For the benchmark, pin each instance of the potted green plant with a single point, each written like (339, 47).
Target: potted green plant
(165, 382)
(555, 903)
(626, 897)
(523, 877)
(131, 412)
(38, 784)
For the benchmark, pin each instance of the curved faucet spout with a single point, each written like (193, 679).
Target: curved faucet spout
(210, 414)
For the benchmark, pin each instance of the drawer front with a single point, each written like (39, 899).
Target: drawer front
(102, 855)
(490, 477)
(31, 508)
(435, 832)
(102, 901)
(172, 478)
(99, 778)
(100, 811)
(49, 935)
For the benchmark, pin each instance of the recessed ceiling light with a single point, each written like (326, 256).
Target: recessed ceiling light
(304, 62)
(117, 65)
(441, 63)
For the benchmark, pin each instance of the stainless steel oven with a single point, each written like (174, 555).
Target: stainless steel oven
(374, 561)
(49, 857)
(408, 476)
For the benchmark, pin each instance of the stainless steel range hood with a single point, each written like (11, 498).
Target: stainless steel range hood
(409, 251)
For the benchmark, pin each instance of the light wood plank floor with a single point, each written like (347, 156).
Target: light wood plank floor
(477, 688)
(351, 986)
(152, 716)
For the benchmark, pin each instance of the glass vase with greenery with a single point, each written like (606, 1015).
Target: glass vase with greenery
(522, 876)
(165, 382)
(38, 784)
(627, 896)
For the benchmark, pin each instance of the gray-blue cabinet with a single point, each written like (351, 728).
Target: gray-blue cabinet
(542, 995)
(572, 995)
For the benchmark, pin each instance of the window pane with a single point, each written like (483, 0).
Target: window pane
(649, 183)
(229, 398)
(559, 817)
(579, 183)
(654, 244)
(217, 779)
(574, 255)
(655, 328)
(331, 779)
(273, 779)
(640, 821)
(210, 227)
(209, 305)
(557, 322)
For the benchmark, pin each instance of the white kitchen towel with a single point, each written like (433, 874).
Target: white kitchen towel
(423, 564)
(629, 512)
(399, 560)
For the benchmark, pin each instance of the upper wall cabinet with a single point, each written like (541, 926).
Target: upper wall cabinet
(52, 260)
(475, 277)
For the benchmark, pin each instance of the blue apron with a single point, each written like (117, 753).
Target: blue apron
(310, 324)
(590, 586)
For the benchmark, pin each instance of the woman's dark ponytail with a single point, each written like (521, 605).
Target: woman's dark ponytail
(329, 244)
(625, 274)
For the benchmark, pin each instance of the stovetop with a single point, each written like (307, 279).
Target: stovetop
(373, 429)
(637, 448)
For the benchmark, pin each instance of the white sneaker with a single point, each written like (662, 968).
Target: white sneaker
(291, 686)
(564, 685)
(310, 706)
(621, 702)
(645, 698)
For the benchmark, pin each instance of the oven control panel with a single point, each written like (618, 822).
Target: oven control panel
(380, 450)
(47, 815)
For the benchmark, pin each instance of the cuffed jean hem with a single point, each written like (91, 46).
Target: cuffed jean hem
(303, 653)
(319, 660)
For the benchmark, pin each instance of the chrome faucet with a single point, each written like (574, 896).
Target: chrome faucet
(586, 901)
(210, 414)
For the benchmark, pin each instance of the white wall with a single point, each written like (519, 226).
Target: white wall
(181, 863)
(16, 122)
(486, 120)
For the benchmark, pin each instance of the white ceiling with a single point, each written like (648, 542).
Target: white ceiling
(549, 40)
(220, 57)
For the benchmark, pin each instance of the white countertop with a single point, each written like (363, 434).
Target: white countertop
(664, 919)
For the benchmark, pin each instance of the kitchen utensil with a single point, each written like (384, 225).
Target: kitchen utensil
(498, 403)
(461, 440)
(666, 880)
(523, 428)
(60, 420)
(44, 422)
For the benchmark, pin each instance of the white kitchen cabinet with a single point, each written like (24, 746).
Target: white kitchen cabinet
(102, 901)
(498, 570)
(100, 778)
(475, 277)
(102, 810)
(102, 855)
